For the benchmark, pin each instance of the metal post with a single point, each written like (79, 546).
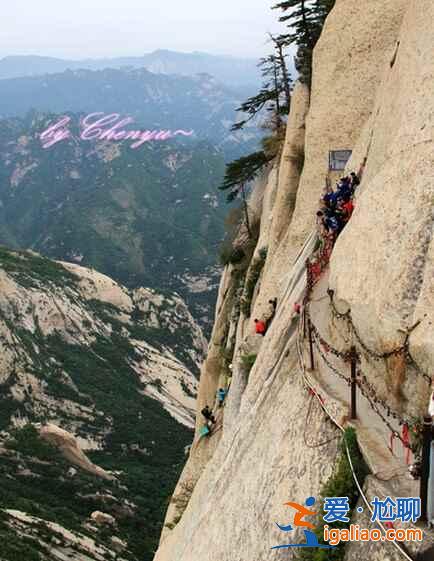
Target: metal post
(304, 322)
(353, 383)
(426, 459)
(312, 362)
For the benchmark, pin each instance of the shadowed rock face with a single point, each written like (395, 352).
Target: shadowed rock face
(382, 268)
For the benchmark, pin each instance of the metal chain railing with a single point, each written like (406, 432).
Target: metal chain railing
(373, 354)
(317, 344)
(309, 385)
(344, 355)
(335, 311)
(403, 349)
(368, 391)
(377, 400)
(383, 417)
(419, 370)
(366, 388)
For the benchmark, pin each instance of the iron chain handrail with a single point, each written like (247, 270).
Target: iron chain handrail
(370, 394)
(345, 355)
(404, 349)
(418, 369)
(376, 409)
(374, 396)
(366, 388)
(317, 343)
(309, 385)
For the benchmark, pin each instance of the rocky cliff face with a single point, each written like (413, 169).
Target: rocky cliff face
(44, 304)
(372, 93)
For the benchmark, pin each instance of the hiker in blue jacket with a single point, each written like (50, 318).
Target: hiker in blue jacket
(221, 395)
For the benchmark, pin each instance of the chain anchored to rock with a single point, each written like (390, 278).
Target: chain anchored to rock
(318, 345)
(402, 350)
(344, 355)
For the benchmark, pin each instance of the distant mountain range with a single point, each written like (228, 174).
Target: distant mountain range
(112, 363)
(229, 70)
(151, 216)
(197, 103)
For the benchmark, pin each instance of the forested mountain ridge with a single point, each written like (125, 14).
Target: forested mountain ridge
(148, 216)
(113, 367)
(199, 103)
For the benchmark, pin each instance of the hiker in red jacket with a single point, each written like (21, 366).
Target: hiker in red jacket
(348, 208)
(260, 327)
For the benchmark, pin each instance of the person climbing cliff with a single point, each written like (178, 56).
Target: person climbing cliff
(355, 181)
(337, 206)
(336, 209)
(344, 188)
(270, 312)
(260, 327)
(207, 413)
(347, 208)
(221, 396)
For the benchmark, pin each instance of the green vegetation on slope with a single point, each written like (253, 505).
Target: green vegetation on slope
(145, 217)
(140, 441)
(145, 444)
(27, 269)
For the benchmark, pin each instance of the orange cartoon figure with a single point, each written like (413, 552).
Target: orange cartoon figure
(302, 512)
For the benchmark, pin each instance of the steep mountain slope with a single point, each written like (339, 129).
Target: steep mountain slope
(149, 216)
(229, 70)
(115, 369)
(373, 78)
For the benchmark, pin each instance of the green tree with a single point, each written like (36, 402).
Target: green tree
(285, 79)
(275, 93)
(239, 174)
(305, 19)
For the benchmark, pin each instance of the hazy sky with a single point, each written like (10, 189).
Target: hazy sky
(97, 28)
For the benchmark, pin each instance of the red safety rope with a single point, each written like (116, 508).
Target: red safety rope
(406, 442)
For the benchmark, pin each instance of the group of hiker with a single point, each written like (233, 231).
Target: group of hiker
(261, 327)
(337, 206)
(336, 209)
(208, 414)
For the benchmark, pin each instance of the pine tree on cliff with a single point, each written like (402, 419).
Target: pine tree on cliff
(275, 93)
(305, 20)
(285, 80)
(239, 174)
(275, 98)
